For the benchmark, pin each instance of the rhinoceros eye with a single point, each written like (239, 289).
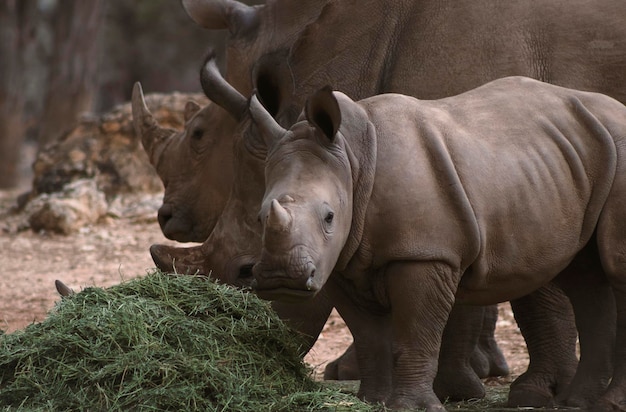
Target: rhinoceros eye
(197, 134)
(329, 218)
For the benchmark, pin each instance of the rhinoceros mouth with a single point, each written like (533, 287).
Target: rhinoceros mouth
(285, 294)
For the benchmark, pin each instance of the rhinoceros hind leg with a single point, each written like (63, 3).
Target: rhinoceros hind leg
(546, 321)
(456, 379)
(592, 298)
(344, 368)
(611, 235)
(487, 359)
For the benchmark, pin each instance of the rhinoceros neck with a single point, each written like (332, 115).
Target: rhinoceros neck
(361, 148)
(336, 47)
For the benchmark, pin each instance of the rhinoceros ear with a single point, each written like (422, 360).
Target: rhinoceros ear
(191, 108)
(322, 111)
(223, 14)
(269, 128)
(272, 77)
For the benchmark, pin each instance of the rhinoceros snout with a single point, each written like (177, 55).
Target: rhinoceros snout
(176, 226)
(245, 271)
(164, 214)
(289, 280)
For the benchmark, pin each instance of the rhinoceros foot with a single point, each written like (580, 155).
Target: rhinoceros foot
(536, 390)
(613, 400)
(529, 395)
(487, 360)
(458, 383)
(584, 393)
(344, 368)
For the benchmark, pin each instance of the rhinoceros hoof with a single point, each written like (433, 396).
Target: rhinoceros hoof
(344, 368)
(489, 361)
(458, 385)
(528, 395)
(611, 402)
(407, 404)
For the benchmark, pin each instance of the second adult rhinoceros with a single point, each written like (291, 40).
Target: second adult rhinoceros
(395, 206)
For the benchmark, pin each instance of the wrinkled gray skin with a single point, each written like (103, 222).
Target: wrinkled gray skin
(425, 51)
(393, 206)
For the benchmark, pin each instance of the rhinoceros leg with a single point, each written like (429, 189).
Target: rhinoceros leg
(307, 317)
(422, 297)
(487, 359)
(456, 378)
(547, 323)
(372, 343)
(344, 368)
(611, 237)
(594, 307)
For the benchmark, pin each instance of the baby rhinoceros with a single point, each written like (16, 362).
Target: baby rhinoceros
(398, 206)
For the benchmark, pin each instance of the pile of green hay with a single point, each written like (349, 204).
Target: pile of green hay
(161, 342)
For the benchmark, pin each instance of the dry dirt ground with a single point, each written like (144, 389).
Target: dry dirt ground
(117, 249)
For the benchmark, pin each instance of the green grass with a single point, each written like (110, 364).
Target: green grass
(162, 342)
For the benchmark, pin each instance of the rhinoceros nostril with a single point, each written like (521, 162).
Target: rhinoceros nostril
(245, 271)
(309, 281)
(164, 215)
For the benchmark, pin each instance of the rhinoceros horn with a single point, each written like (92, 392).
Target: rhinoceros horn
(153, 137)
(223, 14)
(269, 128)
(278, 220)
(219, 90)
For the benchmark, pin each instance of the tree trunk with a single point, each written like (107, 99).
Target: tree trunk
(14, 33)
(72, 84)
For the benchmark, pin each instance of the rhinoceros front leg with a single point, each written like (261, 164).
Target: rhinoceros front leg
(421, 295)
(307, 317)
(371, 331)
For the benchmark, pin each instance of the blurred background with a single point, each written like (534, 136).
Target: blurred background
(61, 59)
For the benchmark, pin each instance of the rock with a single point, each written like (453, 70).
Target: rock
(80, 203)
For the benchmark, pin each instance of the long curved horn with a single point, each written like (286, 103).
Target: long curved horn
(146, 127)
(270, 130)
(223, 14)
(219, 91)
(278, 220)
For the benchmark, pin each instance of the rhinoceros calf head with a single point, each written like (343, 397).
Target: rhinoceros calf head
(307, 207)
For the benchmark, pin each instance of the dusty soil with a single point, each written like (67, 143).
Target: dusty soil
(116, 249)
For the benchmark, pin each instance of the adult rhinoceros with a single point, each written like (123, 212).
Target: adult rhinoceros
(427, 48)
(395, 206)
